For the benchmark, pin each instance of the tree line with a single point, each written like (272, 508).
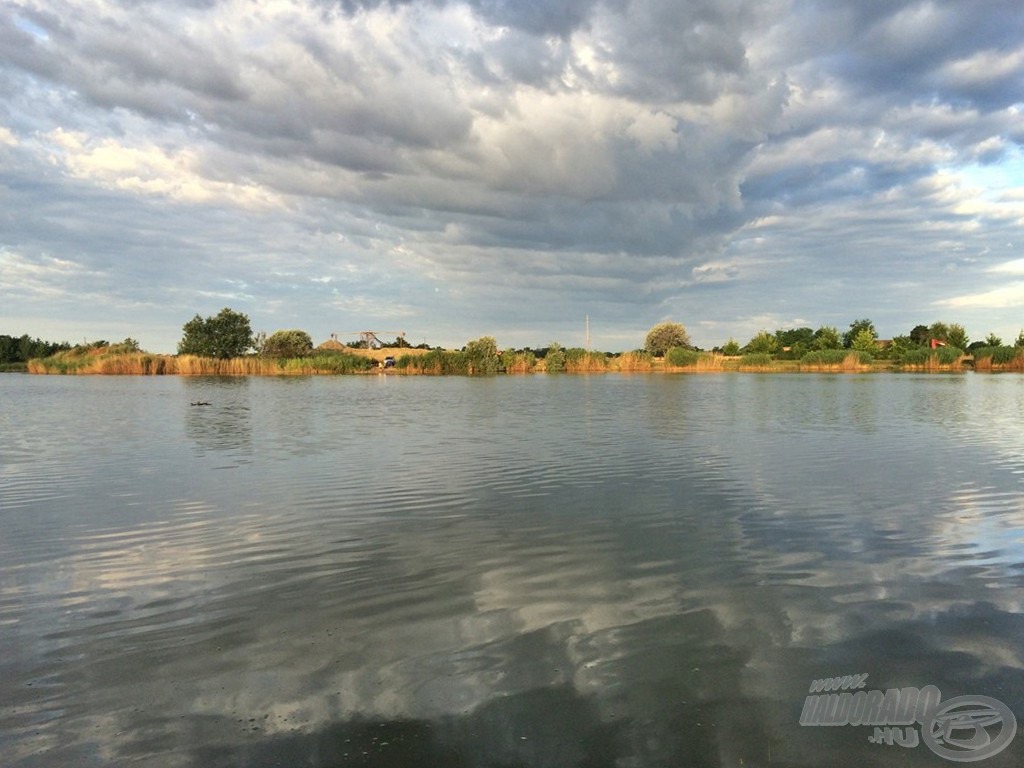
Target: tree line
(861, 336)
(229, 334)
(21, 349)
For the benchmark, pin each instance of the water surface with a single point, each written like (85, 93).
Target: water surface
(519, 571)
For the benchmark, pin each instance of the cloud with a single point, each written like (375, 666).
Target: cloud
(1015, 267)
(612, 155)
(1009, 295)
(150, 170)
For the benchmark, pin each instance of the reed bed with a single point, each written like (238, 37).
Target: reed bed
(999, 359)
(932, 360)
(836, 360)
(436, 362)
(633, 362)
(144, 364)
(579, 360)
(757, 361)
(682, 359)
(518, 362)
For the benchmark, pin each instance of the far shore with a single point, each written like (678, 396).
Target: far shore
(412, 361)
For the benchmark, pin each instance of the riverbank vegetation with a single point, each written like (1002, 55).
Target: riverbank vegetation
(117, 360)
(224, 345)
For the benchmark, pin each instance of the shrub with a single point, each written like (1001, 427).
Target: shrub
(678, 357)
(763, 343)
(482, 356)
(664, 336)
(292, 343)
(554, 360)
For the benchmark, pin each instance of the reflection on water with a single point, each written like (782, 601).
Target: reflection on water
(523, 571)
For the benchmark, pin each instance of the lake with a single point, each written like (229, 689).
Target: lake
(609, 570)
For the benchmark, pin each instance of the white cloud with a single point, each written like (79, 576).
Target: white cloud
(150, 170)
(1010, 295)
(1015, 267)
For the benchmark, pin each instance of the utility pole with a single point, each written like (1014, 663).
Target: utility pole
(588, 333)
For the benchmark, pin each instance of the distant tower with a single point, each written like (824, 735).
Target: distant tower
(588, 333)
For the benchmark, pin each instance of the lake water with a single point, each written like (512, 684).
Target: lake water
(611, 570)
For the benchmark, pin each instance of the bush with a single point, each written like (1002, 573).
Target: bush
(554, 360)
(678, 357)
(664, 336)
(482, 356)
(291, 343)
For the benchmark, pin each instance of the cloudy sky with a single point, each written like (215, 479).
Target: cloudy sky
(508, 167)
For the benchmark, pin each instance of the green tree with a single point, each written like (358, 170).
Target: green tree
(226, 334)
(662, 337)
(1020, 340)
(901, 345)
(763, 343)
(855, 328)
(864, 341)
(939, 332)
(794, 343)
(731, 348)
(956, 336)
(920, 335)
(482, 355)
(992, 341)
(554, 358)
(827, 337)
(290, 343)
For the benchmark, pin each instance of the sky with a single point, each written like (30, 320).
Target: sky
(510, 167)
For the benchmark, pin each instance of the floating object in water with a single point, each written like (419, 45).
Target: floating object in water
(200, 402)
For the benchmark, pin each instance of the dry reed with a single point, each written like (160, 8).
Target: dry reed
(633, 362)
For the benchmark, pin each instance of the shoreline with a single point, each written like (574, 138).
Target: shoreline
(486, 360)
